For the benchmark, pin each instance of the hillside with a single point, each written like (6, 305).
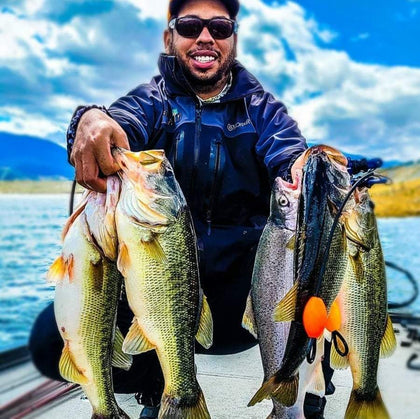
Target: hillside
(402, 197)
(25, 157)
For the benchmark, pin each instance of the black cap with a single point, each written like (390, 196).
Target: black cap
(232, 7)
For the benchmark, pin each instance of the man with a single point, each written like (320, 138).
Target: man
(226, 138)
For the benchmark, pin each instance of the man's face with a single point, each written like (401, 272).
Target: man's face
(206, 61)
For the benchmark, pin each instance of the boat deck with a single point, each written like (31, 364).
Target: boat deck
(228, 382)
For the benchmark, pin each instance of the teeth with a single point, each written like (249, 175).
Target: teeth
(204, 58)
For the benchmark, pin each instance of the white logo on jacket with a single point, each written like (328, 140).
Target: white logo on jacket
(232, 127)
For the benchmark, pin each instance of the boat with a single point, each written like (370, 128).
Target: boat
(228, 382)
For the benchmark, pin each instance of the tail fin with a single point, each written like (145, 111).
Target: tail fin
(284, 391)
(176, 408)
(361, 408)
(120, 414)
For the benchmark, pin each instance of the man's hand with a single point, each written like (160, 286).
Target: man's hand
(91, 153)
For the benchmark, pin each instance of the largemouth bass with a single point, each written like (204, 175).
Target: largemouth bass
(366, 325)
(87, 290)
(271, 279)
(158, 259)
(324, 187)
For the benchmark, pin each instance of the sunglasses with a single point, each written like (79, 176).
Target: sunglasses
(191, 27)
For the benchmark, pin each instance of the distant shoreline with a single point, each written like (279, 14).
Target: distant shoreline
(401, 199)
(37, 187)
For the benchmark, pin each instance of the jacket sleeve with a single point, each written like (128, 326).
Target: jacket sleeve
(139, 113)
(280, 141)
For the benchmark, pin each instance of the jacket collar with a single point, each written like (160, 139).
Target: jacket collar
(243, 83)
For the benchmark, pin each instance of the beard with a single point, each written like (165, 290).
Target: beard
(204, 83)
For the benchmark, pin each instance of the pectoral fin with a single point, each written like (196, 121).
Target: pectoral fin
(285, 310)
(291, 244)
(136, 342)
(60, 268)
(154, 249)
(119, 358)
(204, 334)
(248, 319)
(337, 361)
(68, 368)
(123, 259)
(317, 383)
(389, 343)
(57, 270)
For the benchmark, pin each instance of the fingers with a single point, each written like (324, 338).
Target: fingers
(117, 138)
(297, 167)
(87, 173)
(97, 133)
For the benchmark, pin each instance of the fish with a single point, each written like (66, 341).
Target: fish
(325, 184)
(366, 325)
(158, 258)
(88, 286)
(272, 277)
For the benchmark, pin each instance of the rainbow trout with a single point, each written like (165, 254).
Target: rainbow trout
(324, 187)
(158, 259)
(86, 295)
(366, 325)
(271, 279)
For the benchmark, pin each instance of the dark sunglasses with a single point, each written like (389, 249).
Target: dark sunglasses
(191, 27)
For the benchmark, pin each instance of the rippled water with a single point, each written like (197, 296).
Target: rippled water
(30, 227)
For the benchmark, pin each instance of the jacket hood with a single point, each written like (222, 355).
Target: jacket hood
(176, 84)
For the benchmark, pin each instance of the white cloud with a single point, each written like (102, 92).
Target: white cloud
(361, 108)
(55, 56)
(155, 9)
(18, 121)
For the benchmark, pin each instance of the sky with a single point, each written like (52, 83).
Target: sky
(348, 71)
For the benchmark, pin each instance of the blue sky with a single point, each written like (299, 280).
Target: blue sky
(348, 71)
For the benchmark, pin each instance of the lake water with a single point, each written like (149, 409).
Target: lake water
(30, 228)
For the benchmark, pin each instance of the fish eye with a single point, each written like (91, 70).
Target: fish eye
(283, 201)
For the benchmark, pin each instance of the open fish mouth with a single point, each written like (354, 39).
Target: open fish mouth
(154, 201)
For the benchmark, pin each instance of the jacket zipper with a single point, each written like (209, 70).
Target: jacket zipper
(198, 109)
(177, 154)
(216, 168)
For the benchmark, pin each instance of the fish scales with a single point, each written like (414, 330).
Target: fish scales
(363, 302)
(324, 186)
(158, 259)
(272, 278)
(85, 303)
(165, 298)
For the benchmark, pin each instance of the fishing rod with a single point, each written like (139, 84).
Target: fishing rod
(72, 192)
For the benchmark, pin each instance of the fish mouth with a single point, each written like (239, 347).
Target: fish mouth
(153, 202)
(148, 160)
(334, 155)
(324, 187)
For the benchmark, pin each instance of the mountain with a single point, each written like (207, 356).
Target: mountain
(401, 197)
(25, 157)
